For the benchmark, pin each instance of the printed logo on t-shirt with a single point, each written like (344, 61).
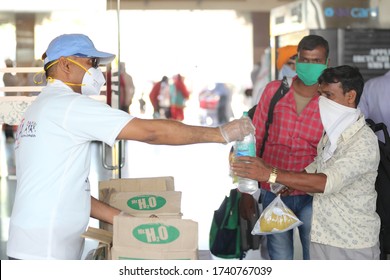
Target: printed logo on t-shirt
(25, 129)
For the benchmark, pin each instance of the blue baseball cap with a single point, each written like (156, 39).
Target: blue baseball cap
(74, 44)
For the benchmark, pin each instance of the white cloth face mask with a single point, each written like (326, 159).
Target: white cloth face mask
(93, 81)
(336, 118)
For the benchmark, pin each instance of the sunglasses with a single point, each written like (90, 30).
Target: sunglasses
(95, 61)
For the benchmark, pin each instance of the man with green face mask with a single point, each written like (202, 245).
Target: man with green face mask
(293, 138)
(309, 66)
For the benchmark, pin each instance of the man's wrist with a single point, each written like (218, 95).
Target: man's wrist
(273, 175)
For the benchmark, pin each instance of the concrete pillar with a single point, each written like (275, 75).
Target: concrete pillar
(25, 23)
(261, 34)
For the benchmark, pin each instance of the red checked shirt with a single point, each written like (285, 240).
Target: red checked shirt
(292, 140)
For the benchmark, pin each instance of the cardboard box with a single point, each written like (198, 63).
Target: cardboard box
(103, 251)
(164, 236)
(146, 203)
(154, 238)
(136, 185)
(110, 228)
(141, 197)
(122, 253)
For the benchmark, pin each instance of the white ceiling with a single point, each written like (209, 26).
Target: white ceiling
(9, 8)
(241, 5)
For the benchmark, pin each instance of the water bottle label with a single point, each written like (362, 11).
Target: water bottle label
(246, 150)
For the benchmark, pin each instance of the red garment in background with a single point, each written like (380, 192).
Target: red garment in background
(178, 98)
(153, 95)
(180, 86)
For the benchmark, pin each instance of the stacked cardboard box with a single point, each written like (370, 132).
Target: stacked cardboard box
(142, 197)
(146, 204)
(154, 238)
(156, 230)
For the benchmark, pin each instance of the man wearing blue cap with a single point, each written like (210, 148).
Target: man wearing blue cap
(52, 149)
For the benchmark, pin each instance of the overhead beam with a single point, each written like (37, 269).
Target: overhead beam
(240, 5)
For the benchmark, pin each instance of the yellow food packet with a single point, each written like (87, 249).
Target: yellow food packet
(277, 217)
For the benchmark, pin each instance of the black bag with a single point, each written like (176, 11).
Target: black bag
(248, 240)
(230, 235)
(382, 187)
(225, 234)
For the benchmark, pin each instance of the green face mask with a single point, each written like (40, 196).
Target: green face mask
(309, 72)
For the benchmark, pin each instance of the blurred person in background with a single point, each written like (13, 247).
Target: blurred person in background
(223, 109)
(127, 89)
(285, 62)
(285, 65)
(160, 97)
(375, 101)
(179, 94)
(263, 77)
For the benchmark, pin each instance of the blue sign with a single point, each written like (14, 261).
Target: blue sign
(354, 12)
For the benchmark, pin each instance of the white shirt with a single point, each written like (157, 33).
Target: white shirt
(375, 100)
(344, 215)
(52, 152)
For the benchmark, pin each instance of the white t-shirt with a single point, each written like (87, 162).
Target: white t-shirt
(53, 156)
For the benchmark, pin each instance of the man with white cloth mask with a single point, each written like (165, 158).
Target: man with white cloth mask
(341, 178)
(53, 203)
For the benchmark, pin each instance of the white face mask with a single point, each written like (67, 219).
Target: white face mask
(286, 71)
(336, 118)
(92, 82)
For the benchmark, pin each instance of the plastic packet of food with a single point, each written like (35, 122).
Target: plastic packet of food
(276, 218)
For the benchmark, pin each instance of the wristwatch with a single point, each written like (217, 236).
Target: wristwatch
(272, 176)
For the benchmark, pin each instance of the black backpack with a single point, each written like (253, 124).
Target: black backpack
(382, 187)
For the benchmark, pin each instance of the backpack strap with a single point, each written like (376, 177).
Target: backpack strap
(282, 90)
(384, 147)
(378, 127)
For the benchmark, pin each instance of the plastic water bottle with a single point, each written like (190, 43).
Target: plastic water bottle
(246, 147)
